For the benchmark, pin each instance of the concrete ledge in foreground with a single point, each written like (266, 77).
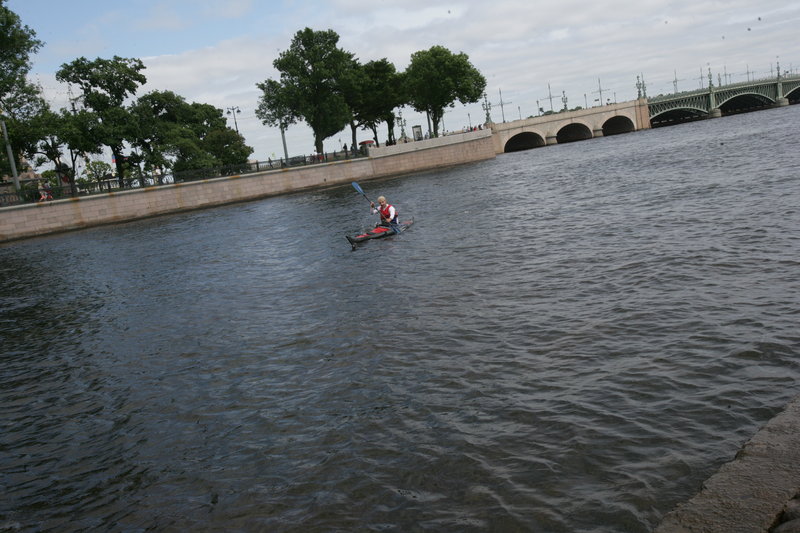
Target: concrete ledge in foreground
(747, 495)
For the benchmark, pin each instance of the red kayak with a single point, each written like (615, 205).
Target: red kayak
(378, 232)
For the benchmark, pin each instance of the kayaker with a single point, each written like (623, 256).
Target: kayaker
(387, 212)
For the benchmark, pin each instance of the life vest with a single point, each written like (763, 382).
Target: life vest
(384, 211)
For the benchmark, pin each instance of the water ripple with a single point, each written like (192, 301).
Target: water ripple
(569, 339)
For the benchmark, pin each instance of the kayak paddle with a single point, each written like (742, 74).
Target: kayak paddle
(395, 227)
(358, 188)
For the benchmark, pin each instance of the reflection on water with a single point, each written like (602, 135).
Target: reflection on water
(569, 339)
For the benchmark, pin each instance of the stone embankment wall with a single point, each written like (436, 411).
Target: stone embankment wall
(30, 220)
(757, 492)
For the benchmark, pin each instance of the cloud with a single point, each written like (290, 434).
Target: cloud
(230, 9)
(181, 15)
(213, 73)
(215, 52)
(162, 17)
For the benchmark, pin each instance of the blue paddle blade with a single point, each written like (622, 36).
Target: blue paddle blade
(357, 187)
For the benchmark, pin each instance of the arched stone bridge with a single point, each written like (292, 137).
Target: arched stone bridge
(569, 126)
(712, 102)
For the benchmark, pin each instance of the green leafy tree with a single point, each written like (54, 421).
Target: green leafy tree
(382, 93)
(354, 85)
(311, 72)
(226, 146)
(275, 108)
(105, 85)
(94, 173)
(19, 42)
(25, 118)
(215, 143)
(97, 170)
(436, 78)
(79, 131)
(54, 134)
(19, 99)
(158, 120)
(169, 132)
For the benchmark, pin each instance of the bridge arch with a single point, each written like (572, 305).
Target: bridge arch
(524, 141)
(618, 124)
(573, 132)
(745, 102)
(677, 115)
(794, 95)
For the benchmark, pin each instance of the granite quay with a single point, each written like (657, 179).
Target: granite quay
(29, 220)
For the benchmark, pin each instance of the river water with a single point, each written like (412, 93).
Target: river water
(571, 338)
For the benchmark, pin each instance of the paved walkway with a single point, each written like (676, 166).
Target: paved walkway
(754, 493)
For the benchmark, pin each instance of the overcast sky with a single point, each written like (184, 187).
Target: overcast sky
(214, 51)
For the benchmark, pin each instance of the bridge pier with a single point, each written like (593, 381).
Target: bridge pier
(598, 132)
(715, 113)
(780, 102)
(551, 139)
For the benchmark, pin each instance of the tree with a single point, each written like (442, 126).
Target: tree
(216, 142)
(353, 83)
(436, 78)
(97, 171)
(18, 97)
(155, 116)
(172, 133)
(226, 146)
(18, 44)
(51, 134)
(311, 70)
(105, 85)
(275, 108)
(382, 93)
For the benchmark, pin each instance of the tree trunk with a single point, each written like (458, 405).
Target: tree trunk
(390, 129)
(354, 145)
(437, 117)
(118, 162)
(375, 135)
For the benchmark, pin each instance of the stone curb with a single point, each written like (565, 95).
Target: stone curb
(749, 494)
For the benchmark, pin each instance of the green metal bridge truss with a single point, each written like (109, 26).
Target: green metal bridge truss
(703, 101)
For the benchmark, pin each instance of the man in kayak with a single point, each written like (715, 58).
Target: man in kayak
(387, 212)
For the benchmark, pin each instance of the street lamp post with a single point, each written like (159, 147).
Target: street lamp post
(232, 111)
(487, 107)
(402, 123)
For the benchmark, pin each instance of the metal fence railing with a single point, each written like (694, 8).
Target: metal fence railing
(262, 166)
(30, 192)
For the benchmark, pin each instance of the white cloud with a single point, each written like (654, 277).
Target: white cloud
(519, 45)
(162, 17)
(231, 9)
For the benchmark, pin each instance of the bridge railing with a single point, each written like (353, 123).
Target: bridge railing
(704, 90)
